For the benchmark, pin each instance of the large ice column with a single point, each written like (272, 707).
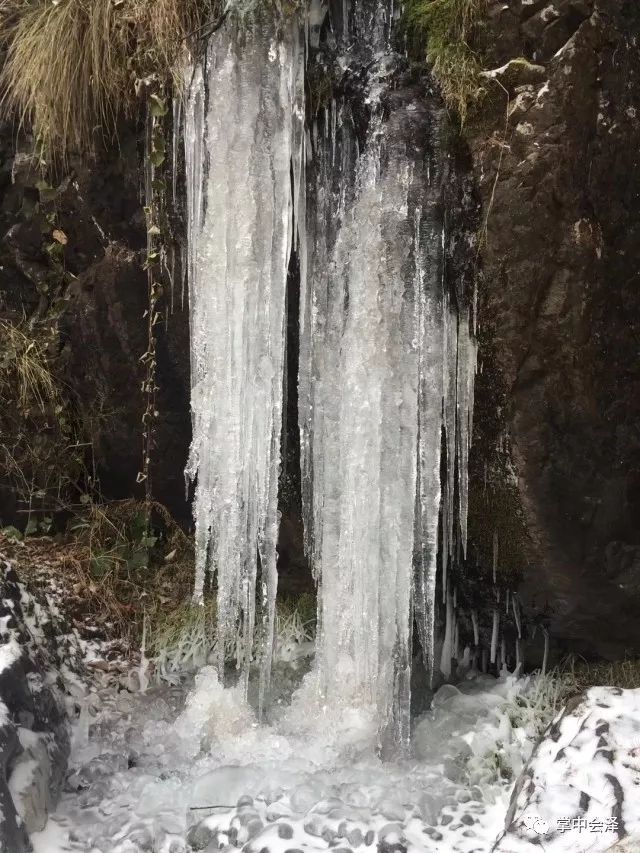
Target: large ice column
(243, 138)
(370, 412)
(386, 383)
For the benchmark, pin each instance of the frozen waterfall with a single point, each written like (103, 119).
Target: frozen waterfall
(387, 361)
(243, 130)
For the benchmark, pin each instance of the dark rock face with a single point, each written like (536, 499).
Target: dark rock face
(103, 328)
(560, 303)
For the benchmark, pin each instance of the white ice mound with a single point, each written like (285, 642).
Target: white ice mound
(213, 713)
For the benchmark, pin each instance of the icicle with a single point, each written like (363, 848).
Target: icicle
(143, 669)
(494, 635)
(447, 645)
(545, 658)
(176, 126)
(495, 555)
(449, 370)
(506, 604)
(467, 360)
(456, 639)
(476, 633)
(516, 615)
(363, 477)
(239, 211)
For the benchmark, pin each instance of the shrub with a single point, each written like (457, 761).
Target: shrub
(41, 452)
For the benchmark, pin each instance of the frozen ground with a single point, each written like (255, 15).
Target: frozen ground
(581, 788)
(151, 772)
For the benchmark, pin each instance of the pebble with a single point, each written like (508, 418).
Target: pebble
(433, 833)
(200, 835)
(355, 837)
(315, 825)
(254, 827)
(285, 830)
(467, 820)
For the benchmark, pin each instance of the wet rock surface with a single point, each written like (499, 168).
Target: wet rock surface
(559, 310)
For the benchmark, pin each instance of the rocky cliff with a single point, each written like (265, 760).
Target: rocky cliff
(557, 165)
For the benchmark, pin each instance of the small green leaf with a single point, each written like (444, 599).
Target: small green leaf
(158, 106)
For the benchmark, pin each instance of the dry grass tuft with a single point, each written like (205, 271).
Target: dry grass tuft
(42, 453)
(111, 573)
(73, 67)
(25, 374)
(622, 673)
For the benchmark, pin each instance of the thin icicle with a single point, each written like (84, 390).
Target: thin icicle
(467, 360)
(447, 644)
(494, 634)
(545, 658)
(516, 615)
(476, 633)
(176, 128)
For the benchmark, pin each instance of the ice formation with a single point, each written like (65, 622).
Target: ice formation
(387, 365)
(387, 362)
(243, 126)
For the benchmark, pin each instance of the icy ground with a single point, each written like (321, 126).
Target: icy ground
(153, 772)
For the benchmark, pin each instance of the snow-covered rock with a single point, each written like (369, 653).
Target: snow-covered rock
(34, 733)
(581, 788)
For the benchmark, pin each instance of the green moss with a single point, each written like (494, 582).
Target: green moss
(440, 31)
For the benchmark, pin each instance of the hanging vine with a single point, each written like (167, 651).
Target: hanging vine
(156, 267)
